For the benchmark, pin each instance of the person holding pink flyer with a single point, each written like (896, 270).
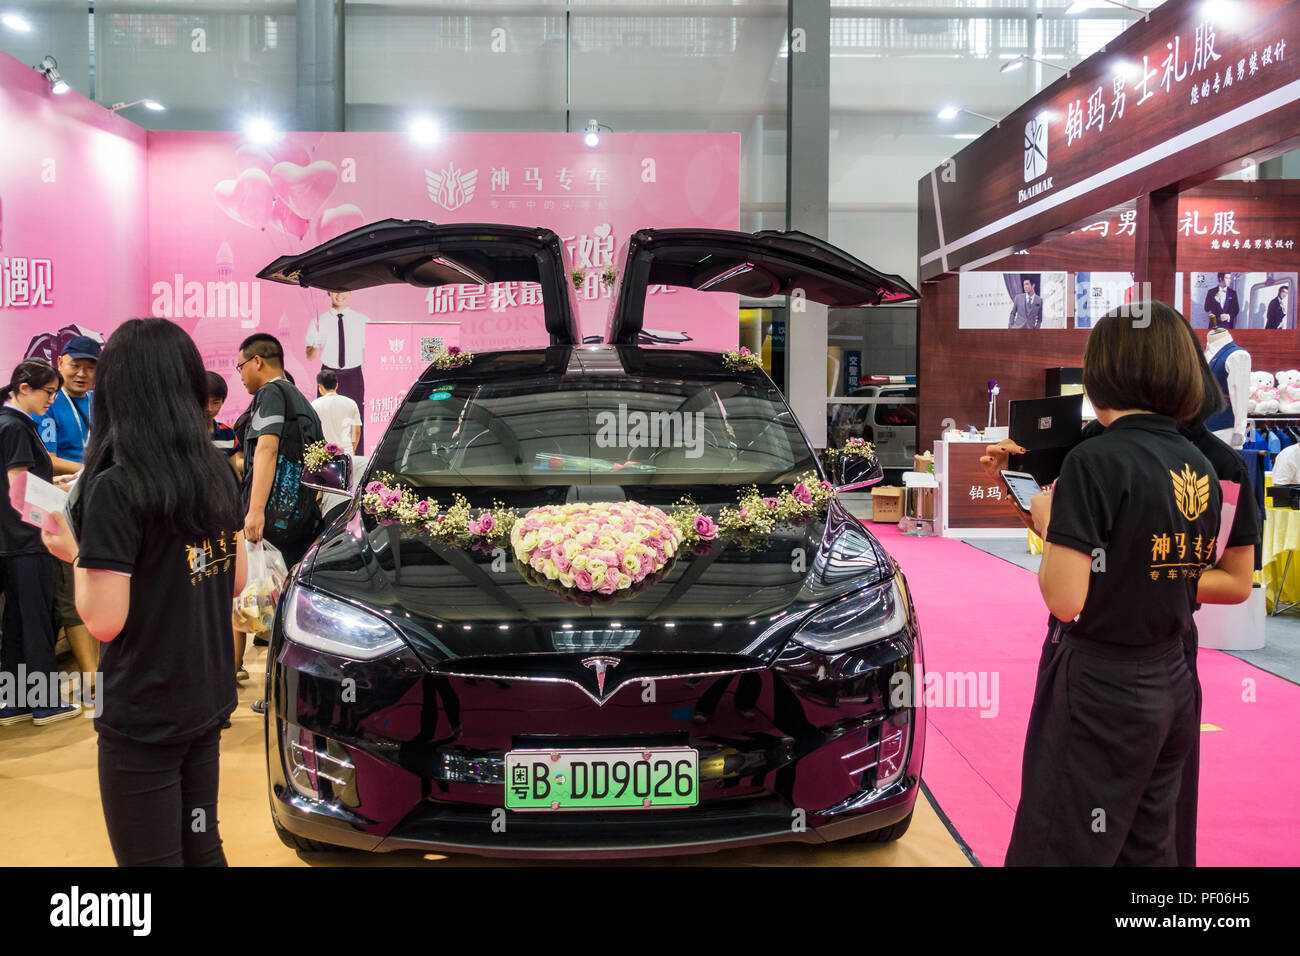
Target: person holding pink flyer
(28, 642)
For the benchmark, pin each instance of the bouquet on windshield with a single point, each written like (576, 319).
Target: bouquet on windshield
(603, 547)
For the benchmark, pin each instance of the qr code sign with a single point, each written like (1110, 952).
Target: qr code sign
(429, 346)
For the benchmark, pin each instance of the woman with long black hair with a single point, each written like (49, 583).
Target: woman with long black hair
(28, 570)
(157, 559)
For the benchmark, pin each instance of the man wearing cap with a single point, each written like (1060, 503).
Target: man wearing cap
(65, 431)
(65, 428)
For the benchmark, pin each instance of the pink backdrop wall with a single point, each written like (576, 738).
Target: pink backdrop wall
(219, 210)
(73, 216)
(101, 221)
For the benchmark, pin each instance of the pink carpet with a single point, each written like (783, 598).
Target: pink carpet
(979, 613)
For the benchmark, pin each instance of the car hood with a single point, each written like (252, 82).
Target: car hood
(453, 604)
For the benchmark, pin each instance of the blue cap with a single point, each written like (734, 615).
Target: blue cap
(82, 347)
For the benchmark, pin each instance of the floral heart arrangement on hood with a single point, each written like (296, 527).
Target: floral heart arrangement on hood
(603, 547)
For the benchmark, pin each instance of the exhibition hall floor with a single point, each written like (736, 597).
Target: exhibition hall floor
(981, 614)
(49, 790)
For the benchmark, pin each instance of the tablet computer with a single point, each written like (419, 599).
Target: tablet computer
(1022, 486)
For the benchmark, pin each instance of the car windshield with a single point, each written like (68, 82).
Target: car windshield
(546, 430)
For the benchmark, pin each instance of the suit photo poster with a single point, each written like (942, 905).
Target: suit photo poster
(1012, 300)
(220, 209)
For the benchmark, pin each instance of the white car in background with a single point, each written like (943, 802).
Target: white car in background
(889, 425)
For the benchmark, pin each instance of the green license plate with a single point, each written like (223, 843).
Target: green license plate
(604, 779)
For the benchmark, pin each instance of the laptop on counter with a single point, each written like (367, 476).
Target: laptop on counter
(1047, 428)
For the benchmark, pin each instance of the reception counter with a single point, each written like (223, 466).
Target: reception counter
(971, 504)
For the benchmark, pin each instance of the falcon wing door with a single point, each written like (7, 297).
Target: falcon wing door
(425, 254)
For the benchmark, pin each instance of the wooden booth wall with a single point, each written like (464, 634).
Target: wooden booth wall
(954, 365)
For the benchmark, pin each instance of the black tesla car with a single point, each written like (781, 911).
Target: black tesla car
(443, 693)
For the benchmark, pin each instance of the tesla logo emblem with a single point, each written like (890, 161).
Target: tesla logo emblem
(600, 665)
(1035, 148)
(451, 188)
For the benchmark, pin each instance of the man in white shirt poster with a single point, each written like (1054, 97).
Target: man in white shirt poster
(340, 419)
(338, 339)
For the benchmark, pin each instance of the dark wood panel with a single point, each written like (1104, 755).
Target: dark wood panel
(1251, 39)
(974, 499)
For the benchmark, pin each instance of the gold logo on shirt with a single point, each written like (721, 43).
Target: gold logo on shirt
(1191, 492)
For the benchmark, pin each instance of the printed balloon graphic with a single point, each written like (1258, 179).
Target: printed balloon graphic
(287, 152)
(246, 199)
(284, 219)
(334, 222)
(305, 188)
(254, 157)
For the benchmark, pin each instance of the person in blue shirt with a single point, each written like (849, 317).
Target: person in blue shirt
(65, 432)
(65, 428)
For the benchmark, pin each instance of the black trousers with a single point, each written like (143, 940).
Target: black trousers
(352, 384)
(1109, 735)
(1190, 790)
(160, 799)
(28, 616)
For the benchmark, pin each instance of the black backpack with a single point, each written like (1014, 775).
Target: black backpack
(292, 511)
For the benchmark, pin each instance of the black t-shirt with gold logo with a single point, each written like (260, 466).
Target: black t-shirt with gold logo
(171, 671)
(1144, 503)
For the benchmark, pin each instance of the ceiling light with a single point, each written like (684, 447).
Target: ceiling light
(260, 130)
(16, 21)
(593, 132)
(1079, 7)
(950, 113)
(1020, 61)
(424, 131)
(147, 104)
(1010, 65)
(49, 68)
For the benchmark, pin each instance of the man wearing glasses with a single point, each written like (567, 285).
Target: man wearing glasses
(280, 424)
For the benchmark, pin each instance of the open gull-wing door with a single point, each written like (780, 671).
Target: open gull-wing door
(425, 254)
(758, 265)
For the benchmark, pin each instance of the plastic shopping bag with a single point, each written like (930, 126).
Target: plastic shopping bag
(254, 608)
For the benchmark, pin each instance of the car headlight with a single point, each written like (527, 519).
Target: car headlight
(325, 624)
(856, 619)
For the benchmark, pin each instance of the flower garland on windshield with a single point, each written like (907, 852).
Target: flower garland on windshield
(742, 361)
(626, 539)
(853, 448)
(451, 357)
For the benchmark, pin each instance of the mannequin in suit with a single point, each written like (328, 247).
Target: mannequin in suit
(1230, 365)
(1027, 309)
(1279, 310)
(1221, 304)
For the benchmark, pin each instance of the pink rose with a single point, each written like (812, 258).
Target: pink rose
(706, 529)
(770, 502)
(582, 578)
(453, 350)
(826, 486)
(474, 528)
(392, 498)
(485, 523)
(744, 351)
(801, 493)
(562, 563)
(333, 449)
(422, 508)
(375, 488)
(743, 514)
(610, 584)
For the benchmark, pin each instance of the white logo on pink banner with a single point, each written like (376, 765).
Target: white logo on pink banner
(451, 188)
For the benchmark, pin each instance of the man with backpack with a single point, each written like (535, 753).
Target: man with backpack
(280, 424)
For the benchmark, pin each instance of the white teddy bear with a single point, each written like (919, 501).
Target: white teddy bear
(1288, 392)
(1263, 396)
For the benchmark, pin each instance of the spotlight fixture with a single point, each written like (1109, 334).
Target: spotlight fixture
(49, 68)
(423, 130)
(593, 132)
(261, 131)
(950, 113)
(1024, 58)
(146, 103)
(15, 21)
(1079, 7)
